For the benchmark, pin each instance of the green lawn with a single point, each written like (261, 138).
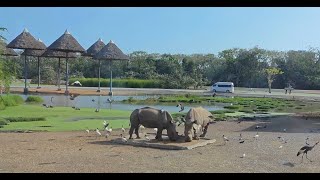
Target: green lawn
(64, 118)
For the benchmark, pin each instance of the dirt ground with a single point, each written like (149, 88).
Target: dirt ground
(74, 152)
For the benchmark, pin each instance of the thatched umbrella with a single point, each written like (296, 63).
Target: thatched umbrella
(111, 52)
(93, 50)
(25, 41)
(59, 55)
(35, 53)
(7, 51)
(68, 44)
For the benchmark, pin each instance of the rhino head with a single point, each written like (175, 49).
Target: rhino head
(188, 129)
(171, 126)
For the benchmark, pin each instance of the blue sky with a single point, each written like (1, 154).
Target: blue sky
(171, 30)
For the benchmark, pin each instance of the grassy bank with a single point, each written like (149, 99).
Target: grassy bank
(126, 83)
(60, 118)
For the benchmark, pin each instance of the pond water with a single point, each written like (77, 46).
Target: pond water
(83, 101)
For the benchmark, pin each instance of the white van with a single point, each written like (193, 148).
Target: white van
(223, 87)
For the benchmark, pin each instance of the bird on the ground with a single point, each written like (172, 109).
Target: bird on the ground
(123, 130)
(110, 100)
(97, 110)
(225, 139)
(123, 138)
(105, 124)
(241, 141)
(256, 136)
(109, 130)
(305, 149)
(243, 155)
(240, 137)
(88, 131)
(98, 132)
(93, 100)
(181, 107)
(77, 108)
(284, 130)
(257, 127)
(280, 147)
(73, 107)
(45, 105)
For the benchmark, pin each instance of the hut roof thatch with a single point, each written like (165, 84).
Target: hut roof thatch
(111, 52)
(6, 51)
(25, 41)
(66, 43)
(95, 48)
(32, 52)
(58, 54)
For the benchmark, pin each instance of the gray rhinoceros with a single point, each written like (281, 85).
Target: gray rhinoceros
(196, 119)
(153, 118)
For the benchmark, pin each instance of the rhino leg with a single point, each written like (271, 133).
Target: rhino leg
(205, 130)
(159, 134)
(131, 131)
(195, 136)
(136, 131)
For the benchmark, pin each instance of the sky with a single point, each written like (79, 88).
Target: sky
(171, 30)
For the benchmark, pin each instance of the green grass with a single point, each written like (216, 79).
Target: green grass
(63, 118)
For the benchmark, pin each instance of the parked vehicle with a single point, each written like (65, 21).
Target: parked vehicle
(223, 87)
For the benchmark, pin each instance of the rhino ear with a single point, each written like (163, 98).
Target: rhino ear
(171, 122)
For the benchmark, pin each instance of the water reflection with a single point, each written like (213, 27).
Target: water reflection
(101, 102)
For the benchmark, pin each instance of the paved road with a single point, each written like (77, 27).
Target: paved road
(245, 92)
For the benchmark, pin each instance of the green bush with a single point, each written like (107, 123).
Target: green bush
(222, 111)
(34, 99)
(24, 119)
(246, 110)
(298, 107)
(3, 122)
(232, 107)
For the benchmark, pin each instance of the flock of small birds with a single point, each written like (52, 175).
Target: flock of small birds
(303, 150)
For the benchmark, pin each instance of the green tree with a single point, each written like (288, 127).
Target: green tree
(271, 73)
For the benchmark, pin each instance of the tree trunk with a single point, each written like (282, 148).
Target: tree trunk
(269, 87)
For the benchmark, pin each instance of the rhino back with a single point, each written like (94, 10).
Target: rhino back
(200, 114)
(150, 118)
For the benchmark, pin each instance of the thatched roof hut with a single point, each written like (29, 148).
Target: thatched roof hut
(6, 51)
(36, 53)
(94, 49)
(25, 41)
(58, 54)
(66, 43)
(111, 52)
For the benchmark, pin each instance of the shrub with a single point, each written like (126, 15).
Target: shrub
(222, 111)
(24, 119)
(232, 107)
(34, 99)
(246, 110)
